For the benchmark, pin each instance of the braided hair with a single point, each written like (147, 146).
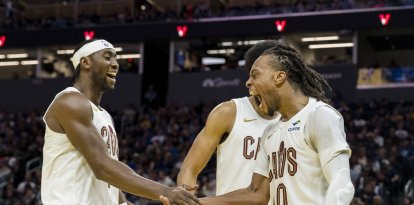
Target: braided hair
(310, 82)
(255, 51)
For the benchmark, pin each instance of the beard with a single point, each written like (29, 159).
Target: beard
(100, 82)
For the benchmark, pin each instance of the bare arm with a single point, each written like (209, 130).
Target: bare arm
(74, 115)
(256, 194)
(219, 122)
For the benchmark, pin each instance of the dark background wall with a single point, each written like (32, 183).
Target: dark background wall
(29, 94)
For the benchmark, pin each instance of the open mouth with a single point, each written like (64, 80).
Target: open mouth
(259, 101)
(111, 75)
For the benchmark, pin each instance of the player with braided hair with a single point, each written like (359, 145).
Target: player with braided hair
(304, 156)
(310, 82)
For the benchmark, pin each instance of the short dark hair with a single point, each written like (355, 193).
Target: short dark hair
(77, 69)
(255, 51)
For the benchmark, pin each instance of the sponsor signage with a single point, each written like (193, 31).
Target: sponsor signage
(218, 86)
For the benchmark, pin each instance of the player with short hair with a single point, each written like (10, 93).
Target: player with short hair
(234, 129)
(80, 153)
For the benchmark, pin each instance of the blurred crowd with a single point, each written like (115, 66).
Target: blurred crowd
(16, 19)
(154, 141)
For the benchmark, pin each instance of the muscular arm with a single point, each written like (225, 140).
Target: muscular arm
(74, 115)
(219, 122)
(255, 194)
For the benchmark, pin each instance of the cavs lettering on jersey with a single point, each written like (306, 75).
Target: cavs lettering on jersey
(293, 153)
(237, 154)
(67, 178)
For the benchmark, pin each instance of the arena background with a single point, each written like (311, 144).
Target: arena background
(180, 58)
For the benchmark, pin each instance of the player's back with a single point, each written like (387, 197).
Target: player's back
(236, 155)
(66, 176)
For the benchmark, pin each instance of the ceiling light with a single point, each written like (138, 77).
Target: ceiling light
(125, 56)
(67, 51)
(221, 51)
(29, 62)
(213, 61)
(322, 38)
(331, 45)
(17, 55)
(226, 43)
(9, 63)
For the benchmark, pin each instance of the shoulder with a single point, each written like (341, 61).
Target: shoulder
(71, 103)
(324, 118)
(224, 109)
(325, 113)
(222, 117)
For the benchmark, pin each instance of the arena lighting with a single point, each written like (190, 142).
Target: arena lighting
(241, 62)
(220, 51)
(331, 45)
(182, 31)
(213, 61)
(29, 62)
(240, 43)
(126, 56)
(227, 43)
(384, 18)
(251, 42)
(321, 38)
(2, 40)
(89, 35)
(9, 63)
(280, 25)
(17, 55)
(67, 51)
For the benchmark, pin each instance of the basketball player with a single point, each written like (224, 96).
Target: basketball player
(304, 157)
(233, 128)
(80, 154)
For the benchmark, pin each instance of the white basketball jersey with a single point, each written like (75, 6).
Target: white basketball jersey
(290, 159)
(67, 178)
(237, 154)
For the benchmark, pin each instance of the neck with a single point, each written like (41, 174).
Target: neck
(291, 103)
(94, 95)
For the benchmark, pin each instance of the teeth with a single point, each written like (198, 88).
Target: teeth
(111, 75)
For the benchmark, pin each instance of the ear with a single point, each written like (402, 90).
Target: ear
(279, 77)
(85, 63)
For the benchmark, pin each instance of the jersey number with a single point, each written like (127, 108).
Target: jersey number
(281, 195)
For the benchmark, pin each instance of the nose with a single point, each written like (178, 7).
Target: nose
(114, 64)
(248, 83)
